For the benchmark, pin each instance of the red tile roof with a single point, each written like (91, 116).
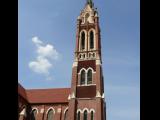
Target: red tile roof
(22, 91)
(58, 95)
(55, 95)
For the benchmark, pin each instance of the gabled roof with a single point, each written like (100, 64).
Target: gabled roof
(36, 96)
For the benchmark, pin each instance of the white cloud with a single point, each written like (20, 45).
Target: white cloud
(40, 65)
(46, 54)
(47, 51)
(36, 41)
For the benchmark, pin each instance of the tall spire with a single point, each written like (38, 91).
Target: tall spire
(90, 2)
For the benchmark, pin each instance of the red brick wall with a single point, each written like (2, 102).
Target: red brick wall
(59, 111)
(95, 104)
(86, 64)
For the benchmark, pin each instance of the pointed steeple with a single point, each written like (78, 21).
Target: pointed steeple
(90, 3)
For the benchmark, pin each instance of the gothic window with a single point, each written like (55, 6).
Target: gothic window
(80, 56)
(65, 115)
(33, 114)
(91, 40)
(83, 40)
(83, 77)
(89, 77)
(85, 115)
(92, 117)
(84, 56)
(50, 115)
(78, 115)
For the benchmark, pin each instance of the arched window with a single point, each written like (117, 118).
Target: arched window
(78, 115)
(65, 115)
(92, 116)
(84, 56)
(83, 77)
(91, 40)
(50, 115)
(80, 56)
(85, 115)
(83, 40)
(33, 114)
(89, 77)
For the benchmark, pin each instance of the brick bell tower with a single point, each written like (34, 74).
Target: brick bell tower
(86, 99)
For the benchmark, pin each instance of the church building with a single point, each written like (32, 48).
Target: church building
(84, 100)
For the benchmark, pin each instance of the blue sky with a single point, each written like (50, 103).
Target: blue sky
(49, 26)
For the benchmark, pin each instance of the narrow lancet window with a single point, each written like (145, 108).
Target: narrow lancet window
(91, 40)
(83, 40)
(50, 115)
(92, 117)
(65, 115)
(85, 115)
(89, 77)
(78, 115)
(82, 77)
(33, 114)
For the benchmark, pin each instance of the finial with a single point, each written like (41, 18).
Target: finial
(90, 3)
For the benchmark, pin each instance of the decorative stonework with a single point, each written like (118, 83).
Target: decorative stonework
(59, 110)
(69, 97)
(42, 110)
(87, 15)
(98, 95)
(23, 112)
(73, 96)
(75, 64)
(98, 62)
(103, 96)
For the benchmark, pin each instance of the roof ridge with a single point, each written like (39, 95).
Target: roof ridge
(47, 89)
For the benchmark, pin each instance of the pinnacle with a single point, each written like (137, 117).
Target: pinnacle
(90, 2)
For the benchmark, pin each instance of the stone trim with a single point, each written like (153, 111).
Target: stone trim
(65, 110)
